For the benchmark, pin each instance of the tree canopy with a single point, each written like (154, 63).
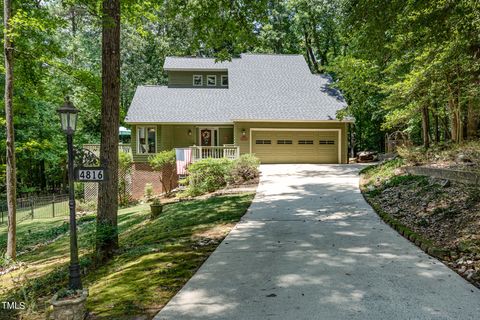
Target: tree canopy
(402, 65)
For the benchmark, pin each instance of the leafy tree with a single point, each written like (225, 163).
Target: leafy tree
(124, 170)
(10, 142)
(165, 163)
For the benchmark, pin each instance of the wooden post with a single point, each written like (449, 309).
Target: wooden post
(53, 206)
(31, 208)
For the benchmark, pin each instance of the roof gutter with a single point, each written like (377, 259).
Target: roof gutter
(286, 120)
(180, 123)
(197, 69)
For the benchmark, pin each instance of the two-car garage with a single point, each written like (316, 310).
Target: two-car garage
(296, 145)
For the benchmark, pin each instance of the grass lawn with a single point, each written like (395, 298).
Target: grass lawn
(155, 259)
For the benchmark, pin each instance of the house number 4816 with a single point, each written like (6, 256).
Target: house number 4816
(90, 174)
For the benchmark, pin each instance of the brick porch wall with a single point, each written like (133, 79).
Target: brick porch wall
(142, 174)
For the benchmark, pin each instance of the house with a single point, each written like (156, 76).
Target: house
(269, 105)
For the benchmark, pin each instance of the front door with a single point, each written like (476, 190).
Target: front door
(206, 137)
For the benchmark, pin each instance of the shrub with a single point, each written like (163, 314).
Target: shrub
(124, 170)
(413, 155)
(165, 162)
(245, 168)
(208, 175)
(79, 189)
(86, 206)
(148, 191)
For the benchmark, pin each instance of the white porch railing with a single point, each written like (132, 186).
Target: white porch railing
(216, 152)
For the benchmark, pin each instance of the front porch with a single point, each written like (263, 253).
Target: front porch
(231, 152)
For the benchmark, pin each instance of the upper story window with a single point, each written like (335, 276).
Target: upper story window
(211, 81)
(224, 81)
(197, 80)
(146, 140)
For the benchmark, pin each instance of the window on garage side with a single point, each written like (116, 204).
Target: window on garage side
(327, 142)
(284, 141)
(305, 141)
(262, 141)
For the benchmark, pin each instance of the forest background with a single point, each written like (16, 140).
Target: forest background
(402, 65)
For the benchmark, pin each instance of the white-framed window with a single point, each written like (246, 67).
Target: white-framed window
(146, 140)
(224, 81)
(197, 80)
(211, 80)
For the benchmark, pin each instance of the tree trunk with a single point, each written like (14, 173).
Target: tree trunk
(425, 127)
(308, 46)
(107, 233)
(454, 121)
(472, 120)
(436, 125)
(11, 171)
(446, 130)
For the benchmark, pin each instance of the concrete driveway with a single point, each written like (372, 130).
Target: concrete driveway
(310, 247)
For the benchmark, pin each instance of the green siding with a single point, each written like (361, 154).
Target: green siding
(176, 136)
(181, 139)
(166, 142)
(184, 79)
(244, 141)
(225, 136)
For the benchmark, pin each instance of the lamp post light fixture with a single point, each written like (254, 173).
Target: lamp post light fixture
(68, 118)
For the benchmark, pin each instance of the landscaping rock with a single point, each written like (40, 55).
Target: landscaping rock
(463, 158)
(446, 183)
(469, 274)
(367, 156)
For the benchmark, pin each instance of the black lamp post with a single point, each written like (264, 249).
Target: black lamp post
(68, 117)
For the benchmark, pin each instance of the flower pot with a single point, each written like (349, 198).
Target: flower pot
(69, 309)
(156, 210)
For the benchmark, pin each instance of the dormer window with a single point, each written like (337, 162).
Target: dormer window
(225, 81)
(211, 81)
(197, 80)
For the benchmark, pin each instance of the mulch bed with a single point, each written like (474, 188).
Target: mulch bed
(445, 213)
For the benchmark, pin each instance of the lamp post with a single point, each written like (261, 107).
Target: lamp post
(68, 118)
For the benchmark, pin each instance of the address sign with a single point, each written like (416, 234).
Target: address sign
(90, 174)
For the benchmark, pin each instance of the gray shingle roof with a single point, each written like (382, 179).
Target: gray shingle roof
(190, 63)
(261, 87)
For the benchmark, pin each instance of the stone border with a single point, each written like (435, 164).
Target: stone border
(446, 174)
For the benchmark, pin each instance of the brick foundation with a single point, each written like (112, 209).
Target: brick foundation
(142, 174)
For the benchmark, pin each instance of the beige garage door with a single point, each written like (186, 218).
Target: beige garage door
(295, 146)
